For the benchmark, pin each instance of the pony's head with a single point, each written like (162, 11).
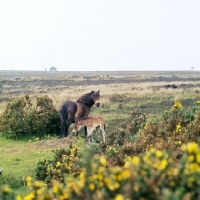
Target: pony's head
(96, 98)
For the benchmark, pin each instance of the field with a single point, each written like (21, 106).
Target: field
(121, 94)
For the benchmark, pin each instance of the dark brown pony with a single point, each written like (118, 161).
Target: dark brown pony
(72, 111)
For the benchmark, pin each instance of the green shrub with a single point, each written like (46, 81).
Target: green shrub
(65, 161)
(22, 118)
(178, 126)
(12, 180)
(120, 140)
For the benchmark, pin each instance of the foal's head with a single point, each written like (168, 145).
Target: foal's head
(96, 98)
(76, 128)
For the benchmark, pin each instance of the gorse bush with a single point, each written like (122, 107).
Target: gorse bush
(121, 141)
(127, 130)
(13, 180)
(177, 126)
(21, 117)
(151, 176)
(65, 161)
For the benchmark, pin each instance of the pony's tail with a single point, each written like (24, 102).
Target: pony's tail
(63, 119)
(64, 114)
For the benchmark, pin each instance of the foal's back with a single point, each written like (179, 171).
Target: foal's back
(92, 121)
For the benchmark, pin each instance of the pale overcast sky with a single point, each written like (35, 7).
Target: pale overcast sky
(99, 35)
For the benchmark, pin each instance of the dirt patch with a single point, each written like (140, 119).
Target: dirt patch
(54, 143)
(40, 145)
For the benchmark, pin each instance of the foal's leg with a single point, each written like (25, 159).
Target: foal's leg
(91, 138)
(103, 133)
(89, 135)
(98, 132)
(91, 129)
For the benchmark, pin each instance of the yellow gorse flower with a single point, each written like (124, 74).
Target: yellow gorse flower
(163, 164)
(103, 160)
(158, 153)
(177, 105)
(58, 164)
(19, 197)
(28, 178)
(126, 173)
(135, 160)
(119, 197)
(198, 158)
(192, 148)
(6, 189)
(191, 158)
(91, 186)
(178, 127)
(29, 196)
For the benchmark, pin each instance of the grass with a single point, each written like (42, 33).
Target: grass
(18, 158)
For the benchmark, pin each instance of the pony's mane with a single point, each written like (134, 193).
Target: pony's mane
(86, 99)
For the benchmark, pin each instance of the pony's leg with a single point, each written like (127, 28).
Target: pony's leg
(63, 118)
(69, 122)
(85, 129)
(62, 130)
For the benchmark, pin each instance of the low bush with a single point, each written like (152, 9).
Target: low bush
(65, 161)
(176, 127)
(21, 117)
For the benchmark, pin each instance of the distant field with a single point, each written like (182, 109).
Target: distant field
(45, 74)
(141, 86)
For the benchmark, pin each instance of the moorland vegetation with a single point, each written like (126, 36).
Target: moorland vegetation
(151, 150)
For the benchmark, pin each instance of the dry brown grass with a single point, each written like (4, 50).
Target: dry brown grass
(2, 106)
(116, 89)
(134, 90)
